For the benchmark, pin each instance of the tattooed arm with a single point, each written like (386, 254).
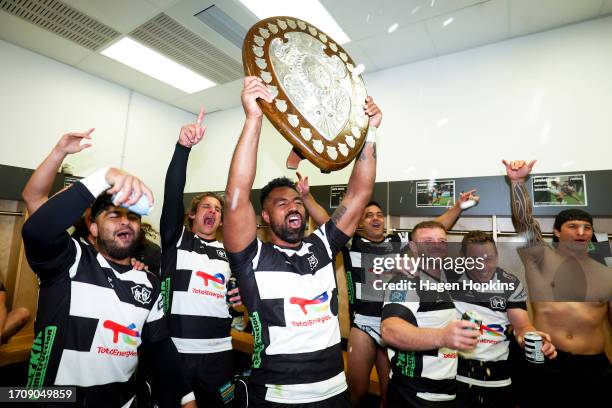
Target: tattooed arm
(361, 183)
(522, 209)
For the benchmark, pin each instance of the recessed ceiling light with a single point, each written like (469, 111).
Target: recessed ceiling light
(447, 21)
(392, 28)
(152, 63)
(311, 11)
(442, 122)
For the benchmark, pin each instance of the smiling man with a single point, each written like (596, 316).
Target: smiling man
(289, 284)
(421, 329)
(365, 345)
(483, 374)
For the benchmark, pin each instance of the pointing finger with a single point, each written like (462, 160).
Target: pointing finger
(200, 117)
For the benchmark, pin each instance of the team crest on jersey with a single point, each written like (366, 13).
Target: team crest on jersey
(397, 296)
(313, 261)
(404, 236)
(221, 254)
(141, 294)
(498, 303)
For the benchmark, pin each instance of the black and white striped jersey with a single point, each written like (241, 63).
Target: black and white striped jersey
(292, 298)
(361, 305)
(92, 318)
(195, 273)
(428, 375)
(95, 319)
(195, 277)
(487, 364)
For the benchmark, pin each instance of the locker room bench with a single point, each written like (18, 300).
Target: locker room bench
(18, 348)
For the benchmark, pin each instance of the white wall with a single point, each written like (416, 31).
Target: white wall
(43, 99)
(544, 96)
(152, 131)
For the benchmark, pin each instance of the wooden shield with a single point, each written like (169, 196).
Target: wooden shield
(318, 92)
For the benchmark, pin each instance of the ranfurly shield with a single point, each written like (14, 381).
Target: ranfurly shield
(318, 91)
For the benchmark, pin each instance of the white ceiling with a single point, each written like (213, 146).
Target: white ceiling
(426, 29)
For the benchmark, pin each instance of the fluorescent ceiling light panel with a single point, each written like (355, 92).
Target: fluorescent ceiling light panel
(310, 11)
(152, 63)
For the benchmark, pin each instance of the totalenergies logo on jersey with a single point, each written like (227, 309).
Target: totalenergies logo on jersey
(128, 333)
(493, 329)
(318, 303)
(216, 281)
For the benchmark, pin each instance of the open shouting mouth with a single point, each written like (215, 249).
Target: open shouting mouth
(294, 220)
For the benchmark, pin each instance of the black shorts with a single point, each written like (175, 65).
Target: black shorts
(257, 399)
(211, 377)
(568, 380)
(469, 396)
(399, 396)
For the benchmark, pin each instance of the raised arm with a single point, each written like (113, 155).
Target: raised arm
(240, 224)
(361, 183)
(173, 211)
(522, 209)
(449, 218)
(316, 211)
(36, 191)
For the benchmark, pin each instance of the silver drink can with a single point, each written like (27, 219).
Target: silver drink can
(232, 284)
(533, 348)
(472, 316)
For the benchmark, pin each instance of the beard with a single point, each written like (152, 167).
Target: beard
(115, 251)
(375, 233)
(287, 234)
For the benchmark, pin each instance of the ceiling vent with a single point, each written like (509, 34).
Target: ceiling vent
(63, 20)
(166, 36)
(223, 24)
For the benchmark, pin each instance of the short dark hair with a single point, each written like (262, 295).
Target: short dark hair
(195, 201)
(374, 203)
(476, 237)
(276, 183)
(427, 224)
(573, 214)
(103, 201)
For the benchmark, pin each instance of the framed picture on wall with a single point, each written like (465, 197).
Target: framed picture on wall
(435, 193)
(336, 194)
(567, 190)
